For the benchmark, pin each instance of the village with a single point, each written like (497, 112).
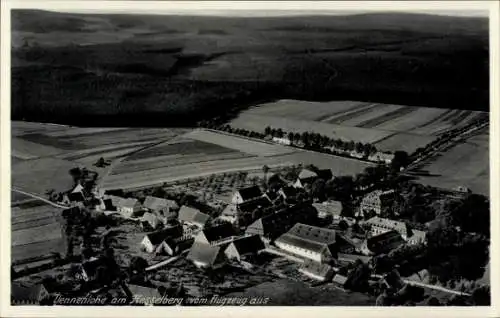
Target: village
(300, 223)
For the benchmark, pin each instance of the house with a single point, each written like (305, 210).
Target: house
(283, 141)
(331, 209)
(216, 235)
(75, 197)
(271, 226)
(381, 243)
(244, 213)
(108, 205)
(381, 157)
(99, 205)
(317, 271)
(246, 194)
(380, 225)
(376, 201)
(340, 281)
(142, 295)
(161, 207)
(150, 221)
(207, 256)
(23, 294)
(239, 248)
(315, 243)
(272, 196)
(288, 193)
(174, 246)
(305, 176)
(191, 216)
(127, 207)
(152, 242)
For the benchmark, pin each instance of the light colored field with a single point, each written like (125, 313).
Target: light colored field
(465, 164)
(404, 142)
(28, 150)
(194, 158)
(238, 143)
(259, 123)
(373, 112)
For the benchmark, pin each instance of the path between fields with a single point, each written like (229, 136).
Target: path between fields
(435, 287)
(40, 198)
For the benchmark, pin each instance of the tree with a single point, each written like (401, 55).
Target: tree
(481, 296)
(318, 189)
(100, 163)
(137, 265)
(343, 226)
(267, 131)
(265, 169)
(400, 160)
(290, 136)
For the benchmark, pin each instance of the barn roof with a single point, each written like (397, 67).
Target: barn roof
(250, 206)
(219, 232)
(306, 174)
(192, 215)
(250, 193)
(128, 203)
(156, 204)
(309, 237)
(248, 244)
(159, 236)
(315, 268)
(205, 253)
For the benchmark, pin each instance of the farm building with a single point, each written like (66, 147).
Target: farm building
(381, 157)
(160, 206)
(305, 176)
(273, 225)
(345, 258)
(381, 225)
(246, 194)
(152, 242)
(216, 235)
(317, 271)
(128, 207)
(35, 237)
(240, 214)
(192, 216)
(282, 141)
(376, 201)
(22, 294)
(331, 209)
(173, 246)
(381, 243)
(315, 243)
(89, 269)
(207, 256)
(239, 248)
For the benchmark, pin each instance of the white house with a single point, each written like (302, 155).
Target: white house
(152, 242)
(380, 225)
(317, 271)
(191, 216)
(128, 207)
(241, 247)
(308, 241)
(283, 141)
(381, 157)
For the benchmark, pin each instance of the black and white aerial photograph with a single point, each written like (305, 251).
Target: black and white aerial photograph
(250, 157)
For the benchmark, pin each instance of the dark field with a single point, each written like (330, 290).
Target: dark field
(133, 70)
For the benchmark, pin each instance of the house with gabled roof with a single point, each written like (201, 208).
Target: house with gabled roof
(174, 246)
(376, 201)
(382, 243)
(217, 234)
(241, 247)
(23, 294)
(192, 216)
(311, 242)
(305, 176)
(162, 207)
(207, 256)
(127, 207)
(273, 225)
(246, 194)
(89, 269)
(152, 242)
(150, 221)
(329, 208)
(380, 225)
(288, 193)
(318, 271)
(237, 214)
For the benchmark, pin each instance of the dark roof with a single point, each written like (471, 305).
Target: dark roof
(271, 195)
(25, 294)
(108, 203)
(248, 244)
(385, 241)
(250, 193)
(156, 204)
(251, 206)
(219, 232)
(179, 243)
(192, 215)
(205, 253)
(159, 236)
(325, 174)
(76, 197)
(309, 237)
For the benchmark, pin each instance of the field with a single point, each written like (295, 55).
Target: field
(465, 164)
(388, 127)
(42, 154)
(202, 153)
(36, 230)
